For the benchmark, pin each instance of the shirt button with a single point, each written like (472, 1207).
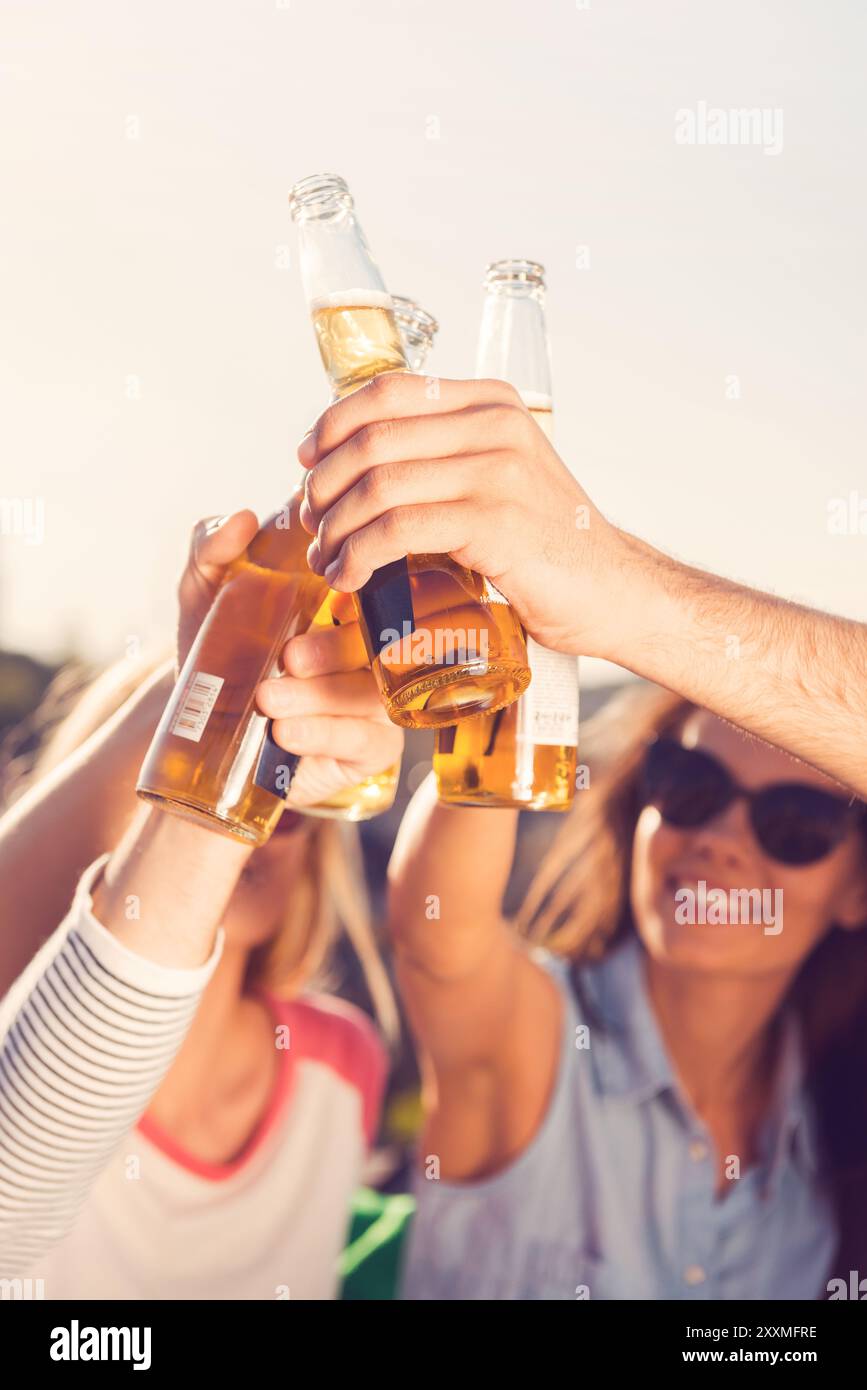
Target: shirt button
(698, 1150)
(694, 1274)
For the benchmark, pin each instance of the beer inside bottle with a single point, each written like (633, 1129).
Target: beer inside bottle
(212, 758)
(527, 754)
(375, 794)
(442, 643)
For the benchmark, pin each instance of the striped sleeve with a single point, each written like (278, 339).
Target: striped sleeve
(87, 1034)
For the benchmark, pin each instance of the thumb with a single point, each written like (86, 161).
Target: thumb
(217, 541)
(214, 544)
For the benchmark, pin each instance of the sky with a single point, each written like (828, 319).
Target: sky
(706, 297)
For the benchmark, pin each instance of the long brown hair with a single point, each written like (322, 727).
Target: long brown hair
(578, 906)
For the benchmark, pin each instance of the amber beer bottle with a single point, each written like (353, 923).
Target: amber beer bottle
(441, 642)
(525, 755)
(212, 758)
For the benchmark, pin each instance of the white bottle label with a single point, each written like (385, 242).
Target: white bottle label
(551, 699)
(195, 708)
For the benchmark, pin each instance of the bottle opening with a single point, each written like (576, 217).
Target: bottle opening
(319, 195)
(513, 273)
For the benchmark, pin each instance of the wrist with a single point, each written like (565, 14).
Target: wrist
(167, 885)
(634, 603)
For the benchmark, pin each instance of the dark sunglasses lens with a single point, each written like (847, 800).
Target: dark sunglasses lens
(689, 787)
(798, 824)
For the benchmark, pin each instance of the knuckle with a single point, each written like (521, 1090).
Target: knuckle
(512, 470)
(376, 484)
(372, 438)
(509, 421)
(313, 491)
(393, 526)
(349, 552)
(502, 391)
(325, 533)
(385, 388)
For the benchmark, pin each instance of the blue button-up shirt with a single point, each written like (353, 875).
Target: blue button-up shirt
(615, 1197)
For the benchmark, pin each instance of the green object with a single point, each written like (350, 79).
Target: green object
(370, 1264)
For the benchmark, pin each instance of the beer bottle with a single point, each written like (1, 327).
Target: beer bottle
(376, 793)
(524, 755)
(441, 641)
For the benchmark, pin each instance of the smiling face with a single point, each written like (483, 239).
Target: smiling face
(725, 853)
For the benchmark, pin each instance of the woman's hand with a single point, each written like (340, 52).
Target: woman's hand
(470, 474)
(214, 544)
(327, 708)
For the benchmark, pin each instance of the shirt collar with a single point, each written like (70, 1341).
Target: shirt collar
(630, 1060)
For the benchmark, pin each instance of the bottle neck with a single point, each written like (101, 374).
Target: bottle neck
(351, 309)
(513, 346)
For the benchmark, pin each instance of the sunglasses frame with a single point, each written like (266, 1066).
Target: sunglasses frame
(851, 812)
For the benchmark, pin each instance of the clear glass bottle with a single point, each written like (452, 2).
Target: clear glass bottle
(376, 793)
(525, 755)
(442, 643)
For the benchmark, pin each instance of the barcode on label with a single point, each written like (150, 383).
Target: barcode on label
(195, 708)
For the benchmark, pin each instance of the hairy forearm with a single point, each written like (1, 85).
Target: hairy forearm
(791, 675)
(71, 815)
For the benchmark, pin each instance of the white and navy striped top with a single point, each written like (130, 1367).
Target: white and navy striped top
(97, 1201)
(87, 1033)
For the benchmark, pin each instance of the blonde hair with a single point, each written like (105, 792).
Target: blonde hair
(331, 894)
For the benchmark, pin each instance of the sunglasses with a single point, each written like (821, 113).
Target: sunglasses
(793, 822)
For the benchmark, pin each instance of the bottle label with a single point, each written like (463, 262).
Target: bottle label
(386, 602)
(275, 768)
(196, 704)
(551, 699)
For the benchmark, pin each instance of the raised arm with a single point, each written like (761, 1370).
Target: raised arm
(90, 1029)
(485, 1016)
(82, 806)
(792, 675)
(470, 474)
(92, 1023)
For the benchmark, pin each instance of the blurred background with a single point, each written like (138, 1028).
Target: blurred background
(706, 300)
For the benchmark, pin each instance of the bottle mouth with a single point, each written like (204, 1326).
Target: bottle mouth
(318, 195)
(515, 272)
